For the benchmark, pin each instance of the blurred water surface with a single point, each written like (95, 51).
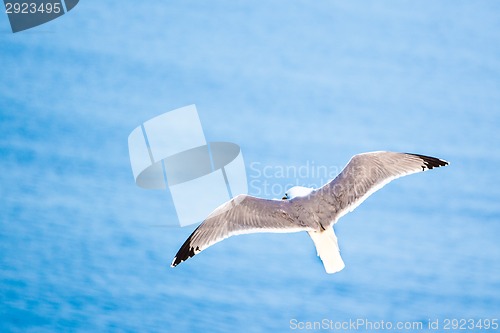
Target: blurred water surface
(294, 84)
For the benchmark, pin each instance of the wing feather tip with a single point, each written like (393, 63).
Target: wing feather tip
(186, 252)
(430, 162)
(176, 261)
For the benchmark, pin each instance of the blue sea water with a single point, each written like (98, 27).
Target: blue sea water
(301, 84)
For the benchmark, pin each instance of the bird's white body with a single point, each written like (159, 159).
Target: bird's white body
(327, 246)
(298, 191)
(307, 209)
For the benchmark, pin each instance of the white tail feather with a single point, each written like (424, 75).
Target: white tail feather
(328, 250)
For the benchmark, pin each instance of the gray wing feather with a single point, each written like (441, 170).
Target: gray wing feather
(363, 175)
(241, 215)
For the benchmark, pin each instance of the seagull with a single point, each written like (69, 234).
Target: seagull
(307, 209)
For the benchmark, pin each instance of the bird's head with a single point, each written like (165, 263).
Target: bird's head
(297, 191)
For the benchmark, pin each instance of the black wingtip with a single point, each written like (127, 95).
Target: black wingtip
(431, 162)
(185, 252)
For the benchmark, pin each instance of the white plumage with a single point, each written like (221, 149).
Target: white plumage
(306, 209)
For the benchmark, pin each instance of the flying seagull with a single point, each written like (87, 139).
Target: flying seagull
(307, 209)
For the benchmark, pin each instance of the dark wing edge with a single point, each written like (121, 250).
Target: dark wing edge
(365, 174)
(430, 162)
(186, 251)
(241, 215)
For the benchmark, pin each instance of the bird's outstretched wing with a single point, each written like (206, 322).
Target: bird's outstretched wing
(363, 175)
(242, 215)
